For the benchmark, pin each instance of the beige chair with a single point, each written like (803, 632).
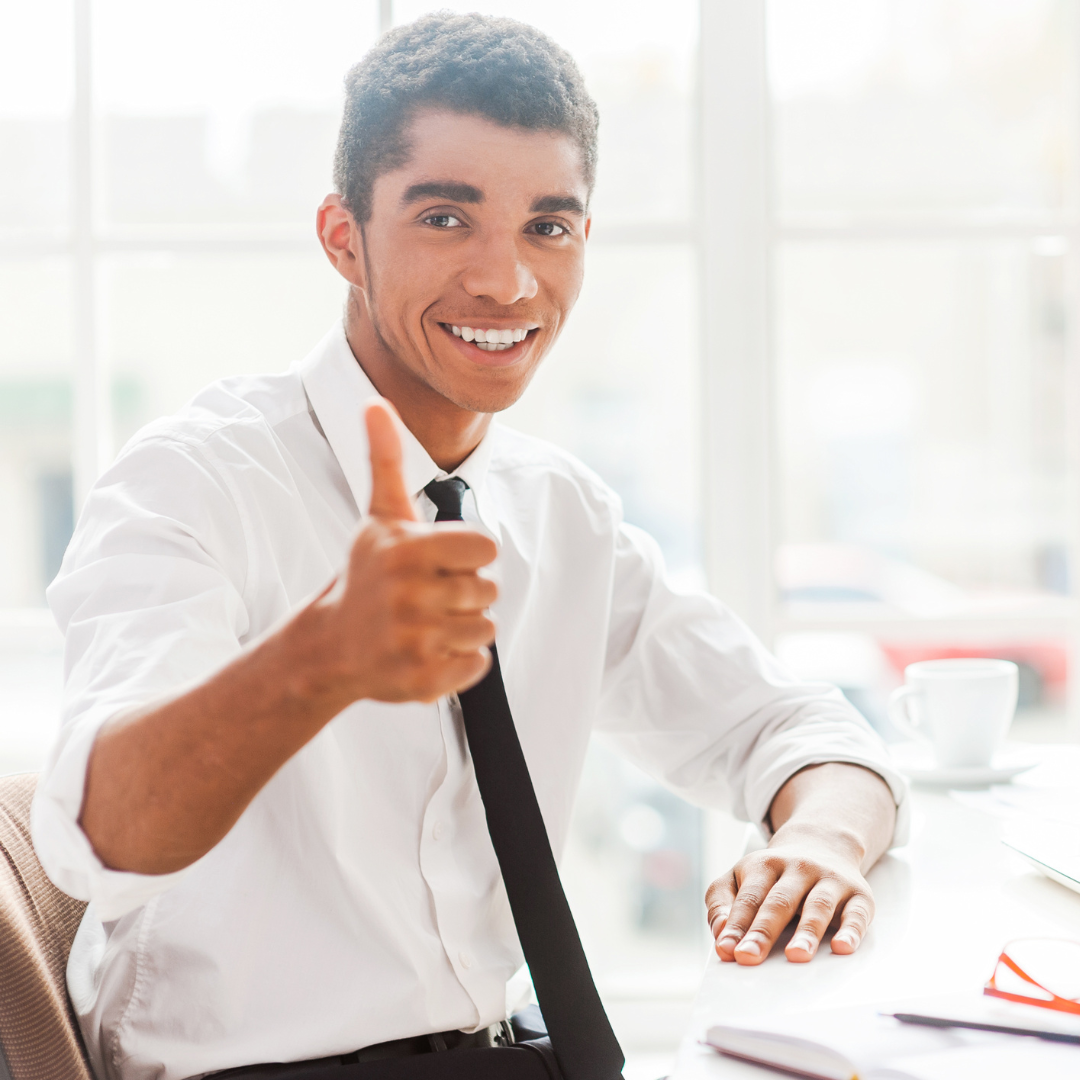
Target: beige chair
(38, 1034)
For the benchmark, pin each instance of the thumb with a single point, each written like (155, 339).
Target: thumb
(389, 496)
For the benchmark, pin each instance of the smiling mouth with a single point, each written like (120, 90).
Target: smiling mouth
(490, 340)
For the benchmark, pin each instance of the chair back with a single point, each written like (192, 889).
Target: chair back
(39, 1037)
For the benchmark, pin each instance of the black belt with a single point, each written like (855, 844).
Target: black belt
(500, 1034)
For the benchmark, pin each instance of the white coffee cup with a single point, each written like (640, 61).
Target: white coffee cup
(961, 707)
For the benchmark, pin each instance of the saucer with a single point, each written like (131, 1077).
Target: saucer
(916, 761)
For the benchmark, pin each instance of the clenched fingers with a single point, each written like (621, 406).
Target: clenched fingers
(454, 674)
(407, 547)
(465, 592)
(460, 635)
(422, 595)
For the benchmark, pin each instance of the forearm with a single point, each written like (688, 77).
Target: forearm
(165, 783)
(405, 621)
(846, 805)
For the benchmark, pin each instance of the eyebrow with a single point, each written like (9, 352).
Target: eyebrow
(453, 191)
(449, 190)
(558, 204)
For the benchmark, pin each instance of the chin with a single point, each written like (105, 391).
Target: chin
(484, 395)
(493, 401)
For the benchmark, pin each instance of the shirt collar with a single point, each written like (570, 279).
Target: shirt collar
(337, 388)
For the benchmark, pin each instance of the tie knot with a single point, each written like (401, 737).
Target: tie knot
(447, 495)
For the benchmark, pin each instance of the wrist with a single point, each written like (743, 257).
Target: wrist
(809, 834)
(308, 652)
(848, 808)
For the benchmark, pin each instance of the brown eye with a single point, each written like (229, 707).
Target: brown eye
(549, 228)
(442, 221)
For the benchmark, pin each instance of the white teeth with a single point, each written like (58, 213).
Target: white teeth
(501, 338)
(492, 346)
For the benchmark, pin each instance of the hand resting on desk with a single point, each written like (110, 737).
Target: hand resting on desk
(832, 822)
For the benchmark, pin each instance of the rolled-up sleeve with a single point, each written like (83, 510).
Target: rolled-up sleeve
(149, 599)
(693, 698)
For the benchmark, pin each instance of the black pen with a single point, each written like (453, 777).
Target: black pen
(941, 1022)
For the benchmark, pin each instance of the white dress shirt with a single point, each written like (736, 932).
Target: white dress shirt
(358, 898)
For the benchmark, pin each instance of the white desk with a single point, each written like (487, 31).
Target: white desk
(946, 904)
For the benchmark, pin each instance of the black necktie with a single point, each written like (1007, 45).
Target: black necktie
(580, 1032)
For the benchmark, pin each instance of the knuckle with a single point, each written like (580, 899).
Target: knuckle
(430, 640)
(774, 862)
(720, 891)
(738, 922)
(780, 899)
(393, 557)
(814, 922)
(818, 905)
(402, 600)
(751, 865)
(856, 908)
(751, 895)
(410, 653)
(414, 642)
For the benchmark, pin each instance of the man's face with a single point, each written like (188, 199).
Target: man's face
(480, 236)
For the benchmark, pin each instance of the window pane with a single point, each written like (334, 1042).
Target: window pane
(176, 323)
(36, 82)
(31, 681)
(640, 68)
(35, 426)
(197, 130)
(923, 414)
(923, 392)
(924, 105)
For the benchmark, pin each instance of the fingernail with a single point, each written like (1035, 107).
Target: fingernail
(847, 939)
(718, 921)
(729, 940)
(749, 946)
(804, 942)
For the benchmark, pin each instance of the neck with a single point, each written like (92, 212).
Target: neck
(446, 431)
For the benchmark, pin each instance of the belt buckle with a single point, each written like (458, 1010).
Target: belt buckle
(505, 1035)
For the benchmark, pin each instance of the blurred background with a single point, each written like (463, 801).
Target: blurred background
(825, 350)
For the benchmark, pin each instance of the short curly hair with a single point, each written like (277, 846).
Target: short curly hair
(494, 67)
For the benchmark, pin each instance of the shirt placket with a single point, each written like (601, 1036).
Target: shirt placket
(438, 864)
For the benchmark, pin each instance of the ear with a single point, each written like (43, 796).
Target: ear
(588, 226)
(341, 239)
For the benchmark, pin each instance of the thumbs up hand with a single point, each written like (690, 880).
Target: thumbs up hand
(390, 499)
(407, 619)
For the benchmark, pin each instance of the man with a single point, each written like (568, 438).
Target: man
(288, 780)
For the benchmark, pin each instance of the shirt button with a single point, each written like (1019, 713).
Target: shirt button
(437, 830)
(466, 960)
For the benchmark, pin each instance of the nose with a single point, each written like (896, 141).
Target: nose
(498, 272)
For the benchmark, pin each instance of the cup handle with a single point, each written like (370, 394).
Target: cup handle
(899, 715)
